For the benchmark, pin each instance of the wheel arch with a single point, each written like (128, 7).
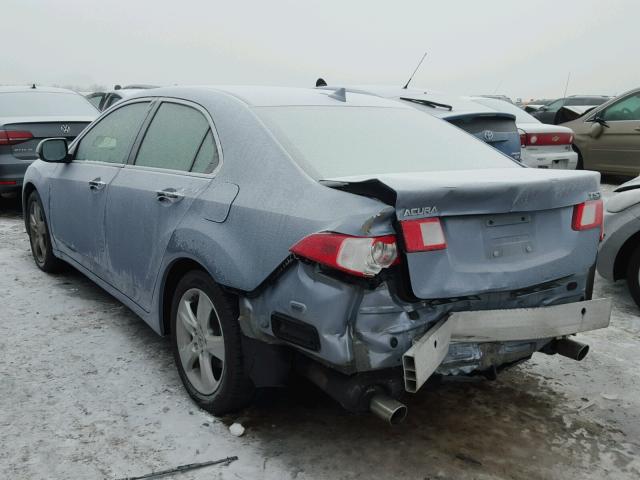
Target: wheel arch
(174, 272)
(624, 255)
(580, 164)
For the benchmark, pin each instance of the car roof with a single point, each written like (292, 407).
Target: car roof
(262, 96)
(29, 88)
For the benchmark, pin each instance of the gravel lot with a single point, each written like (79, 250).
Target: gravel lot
(88, 391)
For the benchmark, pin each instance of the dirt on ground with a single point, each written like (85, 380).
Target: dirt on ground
(88, 391)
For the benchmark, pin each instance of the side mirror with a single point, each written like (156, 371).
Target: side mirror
(53, 150)
(596, 129)
(543, 108)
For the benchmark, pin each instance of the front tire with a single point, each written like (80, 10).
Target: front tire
(633, 276)
(207, 345)
(39, 237)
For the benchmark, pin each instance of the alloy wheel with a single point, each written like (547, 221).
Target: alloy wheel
(200, 341)
(37, 232)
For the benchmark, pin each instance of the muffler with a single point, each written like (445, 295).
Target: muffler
(388, 409)
(360, 392)
(570, 348)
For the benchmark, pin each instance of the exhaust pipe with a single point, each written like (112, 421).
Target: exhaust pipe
(388, 409)
(360, 392)
(570, 348)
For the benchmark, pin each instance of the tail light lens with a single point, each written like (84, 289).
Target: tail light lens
(361, 256)
(588, 215)
(545, 139)
(12, 137)
(423, 235)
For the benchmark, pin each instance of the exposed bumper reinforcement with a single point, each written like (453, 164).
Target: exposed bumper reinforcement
(426, 354)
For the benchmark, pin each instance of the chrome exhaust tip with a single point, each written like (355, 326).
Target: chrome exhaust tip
(388, 409)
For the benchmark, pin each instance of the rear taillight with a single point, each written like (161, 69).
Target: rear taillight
(12, 137)
(423, 234)
(587, 215)
(362, 256)
(545, 139)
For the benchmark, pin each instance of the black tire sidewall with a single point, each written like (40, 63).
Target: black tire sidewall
(235, 389)
(633, 269)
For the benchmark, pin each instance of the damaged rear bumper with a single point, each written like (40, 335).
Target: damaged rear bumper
(490, 326)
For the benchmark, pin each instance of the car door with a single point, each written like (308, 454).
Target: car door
(79, 188)
(617, 149)
(148, 199)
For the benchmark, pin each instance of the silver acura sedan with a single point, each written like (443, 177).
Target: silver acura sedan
(348, 237)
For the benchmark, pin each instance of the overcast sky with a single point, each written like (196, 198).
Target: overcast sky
(519, 48)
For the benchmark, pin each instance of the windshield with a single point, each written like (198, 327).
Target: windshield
(505, 107)
(44, 104)
(332, 142)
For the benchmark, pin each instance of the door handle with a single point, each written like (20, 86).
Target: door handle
(168, 195)
(96, 184)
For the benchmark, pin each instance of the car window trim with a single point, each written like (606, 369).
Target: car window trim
(78, 139)
(613, 104)
(143, 131)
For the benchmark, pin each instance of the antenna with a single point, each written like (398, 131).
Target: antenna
(566, 86)
(414, 72)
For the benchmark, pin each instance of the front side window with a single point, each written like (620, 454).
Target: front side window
(627, 109)
(174, 138)
(111, 139)
(335, 141)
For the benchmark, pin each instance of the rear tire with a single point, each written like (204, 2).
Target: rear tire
(633, 276)
(207, 345)
(39, 237)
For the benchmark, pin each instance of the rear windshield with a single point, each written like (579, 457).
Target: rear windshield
(506, 107)
(331, 142)
(44, 104)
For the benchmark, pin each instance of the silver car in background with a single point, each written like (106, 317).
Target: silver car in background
(29, 114)
(619, 256)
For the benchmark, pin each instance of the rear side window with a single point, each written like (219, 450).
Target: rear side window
(111, 139)
(176, 136)
(207, 157)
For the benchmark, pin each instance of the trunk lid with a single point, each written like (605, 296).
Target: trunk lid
(505, 229)
(67, 127)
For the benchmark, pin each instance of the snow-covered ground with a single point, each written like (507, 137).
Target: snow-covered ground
(88, 391)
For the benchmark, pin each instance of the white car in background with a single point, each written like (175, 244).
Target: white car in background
(542, 145)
